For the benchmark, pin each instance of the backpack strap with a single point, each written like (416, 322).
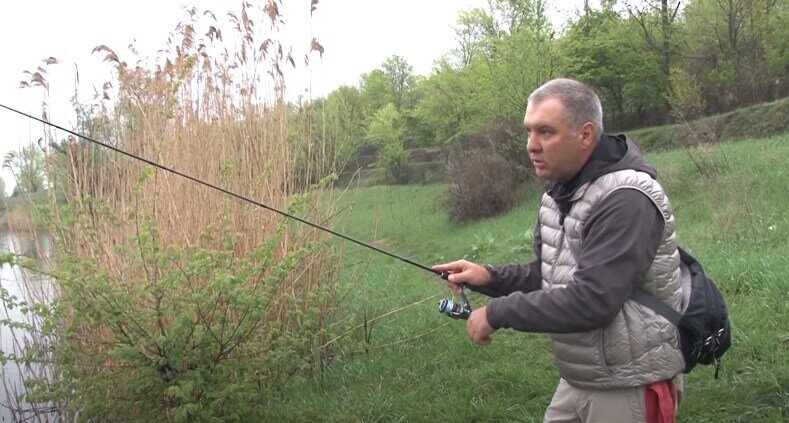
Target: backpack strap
(649, 299)
(658, 306)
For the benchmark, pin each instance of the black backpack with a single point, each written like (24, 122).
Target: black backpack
(704, 327)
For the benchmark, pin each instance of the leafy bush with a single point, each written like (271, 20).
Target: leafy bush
(201, 331)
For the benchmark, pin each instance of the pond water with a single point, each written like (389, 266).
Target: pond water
(27, 286)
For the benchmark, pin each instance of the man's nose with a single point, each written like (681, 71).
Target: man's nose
(532, 145)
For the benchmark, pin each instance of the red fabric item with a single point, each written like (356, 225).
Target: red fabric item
(661, 402)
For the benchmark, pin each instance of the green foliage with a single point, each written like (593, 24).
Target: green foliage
(393, 156)
(687, 103)
(344, 124)
(601, 48)
(482, 245)
(386, 131)
(376, 90)
(522, 55)
(182, 332)
(400, 80)
(625, 51)
(475, 28)
(451, 104)
(392, 83)
(737, 50)
(685, 97)
(386, 126)
(28, 168)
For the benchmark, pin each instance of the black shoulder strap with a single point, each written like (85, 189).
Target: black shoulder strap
(650, 300)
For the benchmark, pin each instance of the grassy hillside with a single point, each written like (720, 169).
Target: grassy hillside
(747, 123)
(416, 365)
(761, 120)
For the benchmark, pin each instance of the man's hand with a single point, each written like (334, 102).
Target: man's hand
(464, 271)
(478, 328)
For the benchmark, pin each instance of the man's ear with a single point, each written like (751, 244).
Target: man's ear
(587, 135)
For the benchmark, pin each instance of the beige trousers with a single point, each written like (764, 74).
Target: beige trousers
(574, 405)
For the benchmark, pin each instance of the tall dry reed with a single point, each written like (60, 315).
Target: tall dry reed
(176, 300)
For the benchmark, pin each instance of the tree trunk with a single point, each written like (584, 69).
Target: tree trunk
(665, 25)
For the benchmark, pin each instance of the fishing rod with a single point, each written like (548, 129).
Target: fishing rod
(446, 306)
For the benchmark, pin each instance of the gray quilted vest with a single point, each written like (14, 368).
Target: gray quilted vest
(638, 347)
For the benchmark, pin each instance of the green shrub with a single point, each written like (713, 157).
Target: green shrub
(174, 332)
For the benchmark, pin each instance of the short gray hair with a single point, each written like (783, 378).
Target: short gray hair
(581, 103)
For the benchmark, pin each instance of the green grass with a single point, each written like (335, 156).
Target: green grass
(420, 366)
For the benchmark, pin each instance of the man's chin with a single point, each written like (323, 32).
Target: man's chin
(543, 176)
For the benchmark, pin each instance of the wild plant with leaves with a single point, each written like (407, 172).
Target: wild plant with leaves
(176, 302)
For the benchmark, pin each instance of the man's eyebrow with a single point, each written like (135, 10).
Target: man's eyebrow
(539, 127)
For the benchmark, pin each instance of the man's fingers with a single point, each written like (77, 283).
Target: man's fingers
(478, 328)
(456, 269)
(454, 278)
(454, 266)
(446, 266)
(480, 340)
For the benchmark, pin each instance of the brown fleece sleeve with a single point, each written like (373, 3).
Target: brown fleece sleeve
(514, 277)
(621, 240)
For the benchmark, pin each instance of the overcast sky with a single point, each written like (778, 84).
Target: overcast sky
(357, 36)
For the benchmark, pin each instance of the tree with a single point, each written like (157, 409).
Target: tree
(776, 44)
(475, 31)
(737, 48)
(28, 169)
(343, 124)
(449, 104)
(651, 15)
(400, 79)
(514, 15)
(599, 49)
(386, 131)
(522, 56)
(375, 91)
(504, 53)
(393, 83)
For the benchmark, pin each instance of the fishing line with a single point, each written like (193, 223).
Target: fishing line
(228, 192)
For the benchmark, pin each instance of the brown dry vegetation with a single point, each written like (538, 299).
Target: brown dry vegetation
(486, 171)
(220, 115)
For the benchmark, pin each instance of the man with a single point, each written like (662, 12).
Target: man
(605, 227)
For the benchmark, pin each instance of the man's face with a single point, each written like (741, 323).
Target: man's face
(555, 149)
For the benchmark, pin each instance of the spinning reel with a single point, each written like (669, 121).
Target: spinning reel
(453, 309)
